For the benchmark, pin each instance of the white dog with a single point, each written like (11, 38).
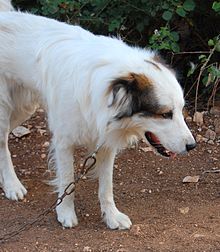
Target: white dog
(98, 92)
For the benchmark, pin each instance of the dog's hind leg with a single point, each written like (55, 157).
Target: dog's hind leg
(112, 216)
(10, 183)
(63, 155)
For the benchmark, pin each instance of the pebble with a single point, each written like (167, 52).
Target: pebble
(198, 118)
(136, 230)
(200, 139)
(43, 156)
(146, 149)
(210, 134)
(215, 110)
(217, 126)
(211, 142)
(46, 144)
(184, 210)
(21, 131)
(189, 119)
(87, 249)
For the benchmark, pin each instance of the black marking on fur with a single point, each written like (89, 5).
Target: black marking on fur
(140, 99)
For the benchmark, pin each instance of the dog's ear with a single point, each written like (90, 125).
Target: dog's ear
(128, 94)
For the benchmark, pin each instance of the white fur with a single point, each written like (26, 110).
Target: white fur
(69, 71)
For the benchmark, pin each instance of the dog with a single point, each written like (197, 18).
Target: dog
(98, 92)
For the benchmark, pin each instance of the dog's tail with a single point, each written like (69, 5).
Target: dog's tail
(5, 5)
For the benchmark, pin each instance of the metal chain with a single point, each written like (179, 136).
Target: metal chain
(68, 190)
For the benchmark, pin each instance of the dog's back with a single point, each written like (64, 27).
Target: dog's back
(5, 5)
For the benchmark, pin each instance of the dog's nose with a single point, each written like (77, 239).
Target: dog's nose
(190, 147)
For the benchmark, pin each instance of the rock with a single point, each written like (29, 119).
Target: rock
(43, 156)
(87, 249)
(198, 118)
(184, 210)
(146, 149)
(215, 110)
(217, 126)
(21, 131)
(210, 134)
(211, 142)
(191, 179)
(200, 139)
(136, 229)
(188, 119)
(46, 144)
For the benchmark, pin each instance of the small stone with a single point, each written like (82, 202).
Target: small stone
(217, 126)
(199, 235)
(184, 210)
(41, 131)
(198, 118)
(143, 190)
(46, 144)
(189, 119)
(87, 249)
(21, 131)
(211, 142)
(161, 172)
(191, 179)
(146, 149)
(43, 156)
(210, 134)
(200, 139)
(136, 230)
(215, 110)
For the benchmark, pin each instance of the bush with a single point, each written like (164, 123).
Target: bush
(186, 32)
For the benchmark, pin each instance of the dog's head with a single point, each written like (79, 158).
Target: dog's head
(152, 100)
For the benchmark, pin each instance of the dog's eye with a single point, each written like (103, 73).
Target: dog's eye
(168, 115)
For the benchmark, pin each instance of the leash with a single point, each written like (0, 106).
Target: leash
(68, 190)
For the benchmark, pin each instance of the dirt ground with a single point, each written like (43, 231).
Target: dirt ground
(167, 215)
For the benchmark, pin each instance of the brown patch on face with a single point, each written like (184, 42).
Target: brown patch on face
(137, 95)
(132, 80)
(142, 81)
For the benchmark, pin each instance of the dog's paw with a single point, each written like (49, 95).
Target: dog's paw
(14, 190)
(66, 216)
(117, 220)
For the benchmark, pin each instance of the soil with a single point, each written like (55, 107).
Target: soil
(167, 214)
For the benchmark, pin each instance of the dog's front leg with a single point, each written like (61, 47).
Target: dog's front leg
(112, 216)
(65, 175)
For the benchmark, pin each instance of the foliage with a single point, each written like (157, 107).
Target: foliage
(165, 39)
(186, 32)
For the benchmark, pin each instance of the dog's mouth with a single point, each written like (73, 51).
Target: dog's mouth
(155, 142)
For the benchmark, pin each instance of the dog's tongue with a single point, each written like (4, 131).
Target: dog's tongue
(154, 138)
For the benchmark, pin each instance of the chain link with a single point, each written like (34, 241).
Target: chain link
(68, 190)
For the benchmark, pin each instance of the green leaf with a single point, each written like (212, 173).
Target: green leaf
(202, 58)
(167, 15)
(180, 11)
(211, 42)
(175, 36)
(115, 24)
(175, 47)
(189, 5)
(216, 6)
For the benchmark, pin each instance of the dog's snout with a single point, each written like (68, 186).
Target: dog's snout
(190, 147)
